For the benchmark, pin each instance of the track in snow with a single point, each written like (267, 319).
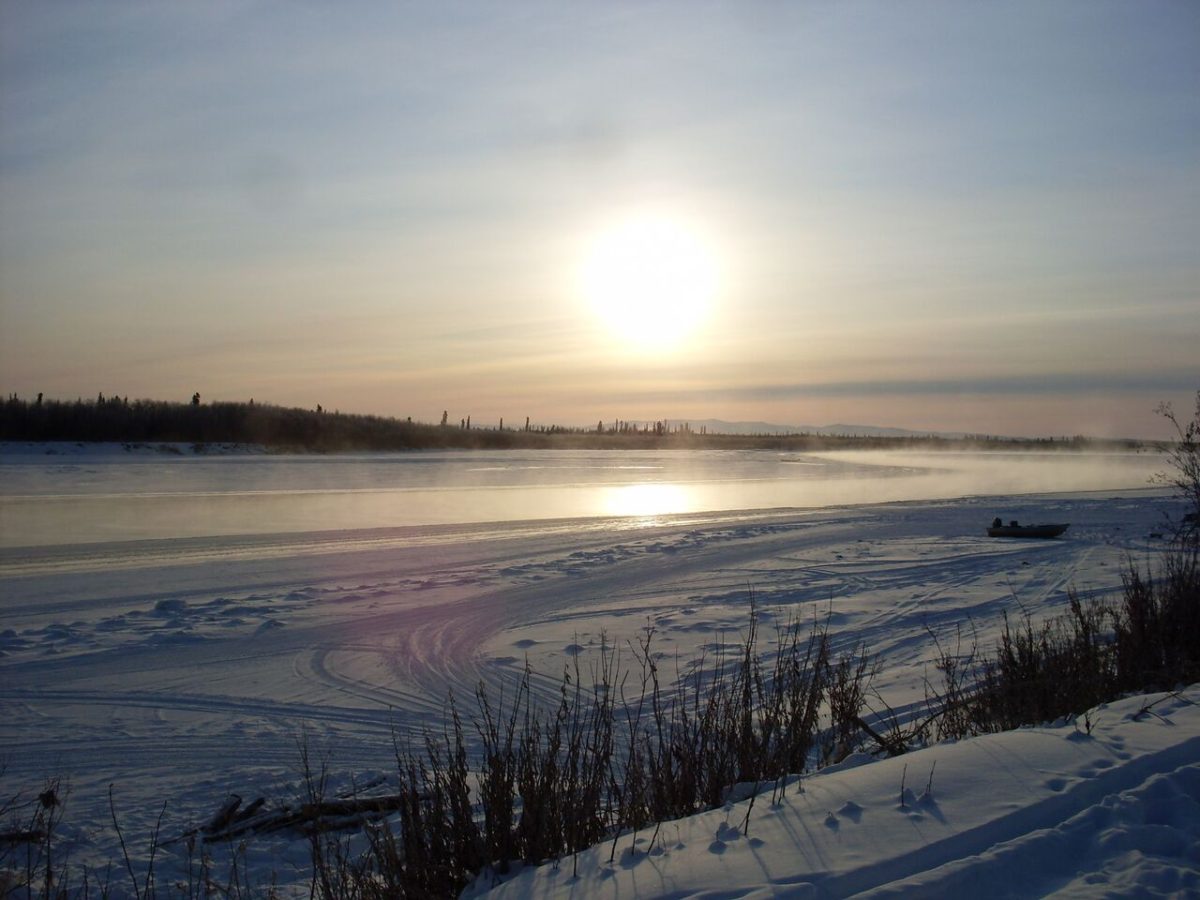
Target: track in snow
(369, 635)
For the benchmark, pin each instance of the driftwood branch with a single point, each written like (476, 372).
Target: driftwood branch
(308, 818)
(22, 837)
(224, 815)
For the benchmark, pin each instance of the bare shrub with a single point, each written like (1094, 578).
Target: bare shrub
(1183, 456)
(617, 751)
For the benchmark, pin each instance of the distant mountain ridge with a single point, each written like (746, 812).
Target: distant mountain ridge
(720, 426)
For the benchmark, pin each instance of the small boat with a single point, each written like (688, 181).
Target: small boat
(1014, 529)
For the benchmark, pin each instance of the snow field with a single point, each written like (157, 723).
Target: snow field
(195, 668)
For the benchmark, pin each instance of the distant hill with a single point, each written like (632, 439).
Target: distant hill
(720, 426)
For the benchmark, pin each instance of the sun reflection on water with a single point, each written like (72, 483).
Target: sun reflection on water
(644, 500)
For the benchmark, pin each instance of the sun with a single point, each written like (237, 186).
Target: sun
(651, 278)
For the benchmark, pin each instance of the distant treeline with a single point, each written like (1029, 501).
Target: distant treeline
(118, 419)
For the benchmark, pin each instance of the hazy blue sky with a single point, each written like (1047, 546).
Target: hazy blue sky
(967, 216)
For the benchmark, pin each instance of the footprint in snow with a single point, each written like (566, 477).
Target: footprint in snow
(831, 822)
(727, 832)
(631, 857)
(169, 607)
(851, 810)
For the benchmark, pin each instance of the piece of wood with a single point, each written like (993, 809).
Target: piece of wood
(249, 810)
(21, 837)
(224, 815)
(308, 818)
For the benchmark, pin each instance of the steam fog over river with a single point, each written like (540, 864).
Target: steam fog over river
(92, 497)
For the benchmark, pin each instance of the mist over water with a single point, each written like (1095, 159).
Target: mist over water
(47, 501)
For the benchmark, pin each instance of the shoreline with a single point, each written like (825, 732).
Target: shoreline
(23, 559)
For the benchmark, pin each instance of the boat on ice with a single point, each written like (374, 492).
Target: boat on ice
(1015, 529)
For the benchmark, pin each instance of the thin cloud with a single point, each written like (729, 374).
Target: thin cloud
(1023, 385)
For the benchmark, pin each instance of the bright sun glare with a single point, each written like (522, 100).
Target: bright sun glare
(652, 279)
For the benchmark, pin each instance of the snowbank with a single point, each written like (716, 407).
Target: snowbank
(1028, 813)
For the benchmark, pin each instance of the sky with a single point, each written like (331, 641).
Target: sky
(940, 216)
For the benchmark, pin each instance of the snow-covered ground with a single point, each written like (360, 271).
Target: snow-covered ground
(1046, 811)
(181, 671)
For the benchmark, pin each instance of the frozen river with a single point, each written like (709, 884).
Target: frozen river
(89, 496)
(174, 628)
